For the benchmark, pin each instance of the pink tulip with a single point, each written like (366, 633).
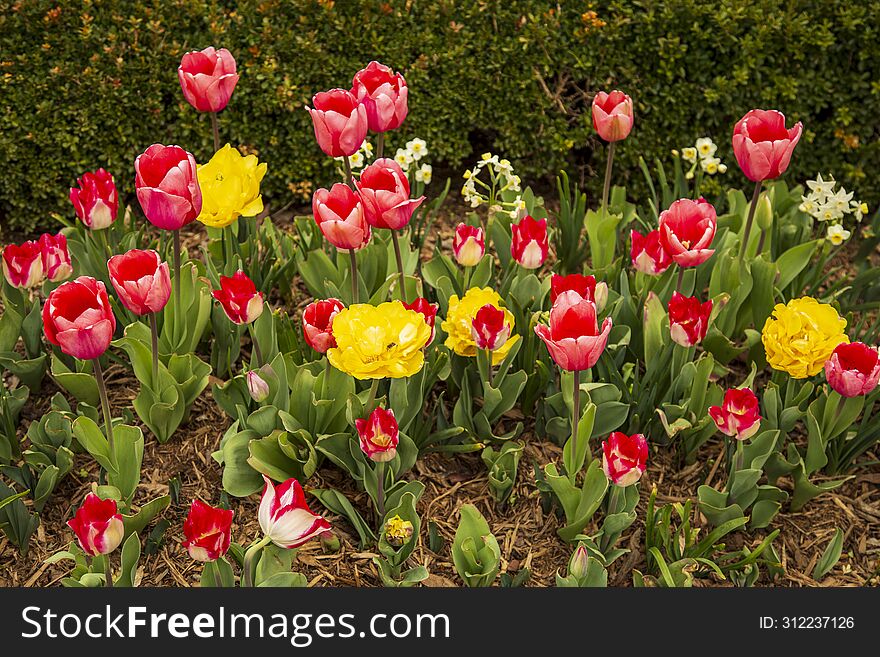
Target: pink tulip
(77, 317)
(647, 254)
(853, 369)
(167, 186)
(612, 115)
(339, 214)
(739, 415)
(23, 264)
(379, 435)
(624, 458)
(317, 324)
(687, 229)
(383, 93)
(239, 297)
(55, 257)
(207, 78)
(285, 517)
(96, 201)
(141, 280)
(574, 338)
(688, 319)
(384, 190)
(340, 122)
(762, 144)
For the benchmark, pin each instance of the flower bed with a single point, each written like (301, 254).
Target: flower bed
(553, 354)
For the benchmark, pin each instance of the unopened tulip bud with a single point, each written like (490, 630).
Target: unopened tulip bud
(398, 531)
(579, 563)
(601, 295)
(257, 387)
(329, 542)
(764, 213)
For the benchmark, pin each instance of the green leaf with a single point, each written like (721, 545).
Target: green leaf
(830, 556)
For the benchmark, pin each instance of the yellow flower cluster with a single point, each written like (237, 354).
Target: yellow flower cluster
(460, 319)
(377, 342)
(799, 336)
(230, 185)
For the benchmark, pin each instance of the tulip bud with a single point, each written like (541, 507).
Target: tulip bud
(379, 435)
(529, 243)
(398, 531)
(469, 245)
(329, 542)
(167, 186)
(579, 562)
(317, 323)
(490, 329)
(97, 525)
(739, 414)
(764, 213)
(239, 297)
(141, 280)
(257, 387)
(23, 265)
(96, 200)
(384, 191)
(601, 295)
(383, 93)
(624, 458)
(688, 319)
(612, 115)
(207, 78)
(56, 258)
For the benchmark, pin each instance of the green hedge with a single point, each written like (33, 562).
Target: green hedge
(92, 83)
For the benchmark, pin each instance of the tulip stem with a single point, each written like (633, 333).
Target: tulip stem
(399, 265)
(256, 347)
(466, 279)
(248, 567)
(349, 180)
(488, 353)
(745, 242)
(761, 241)
(354, 275)
(154, 333)
(680, 279)
(380, 491)
(575, 417)
(380, 145)
(108, 572)
(606, 188)
(176, 248)
(105, 405)
(215, 128)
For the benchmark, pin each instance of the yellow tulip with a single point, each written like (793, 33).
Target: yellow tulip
(375, 342)
(799, 336)
(460, 319)
(230, 185)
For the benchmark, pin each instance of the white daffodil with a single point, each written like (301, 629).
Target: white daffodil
(417, 147)
(689, 154)
(837, 234)
(828, 212)
(859, 209)
(840, 200)
(808, 205)
(706, 147)
(424, 173)
(710, 165)
(822, 188)
(357, 160)
(403, 158)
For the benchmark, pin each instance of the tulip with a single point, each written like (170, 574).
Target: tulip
(97, 525)
(77, 317)
(853, 369)
(207, 78)
(687, 229)
(529, 243)
(739, 414)
(317, 323)
(384, 189)
(340, 122)
(688, 319)
(762, 144)
(468, 245)
(579, 564)
(257, 387)
(23, 265)
(96, 201)
(141, 280)
(55, 257)
(167, 186)
(612, 115)
(339, 214)
(573, 337)
(383, 93)
(239, 297)
(379, 435)
(586, 286)
(624, 458)
(207, 531)
(230, 185)
(647, 254)
(398, 531)
(490, 328)
(285, 517)
(428, 311)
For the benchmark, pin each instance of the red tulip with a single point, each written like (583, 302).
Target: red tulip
(207, 531)
(647, 254)
(167, 186)
(739, 414)
(96, 201)
(207, 78)
(285, 516)
(624, 458)
(688, 319)
(489, 328)
(340, 122)
(468, 245)
(318, 324)
(687, 229)
(383, 93)
(55, 257)
(529, 243)
(97, 525)
(427, 310)
(612, 115)
(77, 317)
(853, 369)
(141, 280)
(339, 214)
(384, 190)
(23, 265)
(239, 297)
(762, 145)
(586, 286)
(379, 435)
(573, 338)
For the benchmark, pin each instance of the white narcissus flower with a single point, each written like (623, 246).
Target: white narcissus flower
(841, 200)
(424, 172)
(859, 209)
(710, 165)
(722, 168)
(403, 158)
(417, 147)
(357, 160)
(822, 188)
(689, 154)
(837, 234)
(706, 147)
